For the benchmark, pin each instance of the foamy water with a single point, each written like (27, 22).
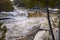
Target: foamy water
(20, 26)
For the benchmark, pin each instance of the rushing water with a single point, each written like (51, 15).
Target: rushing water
(10, 19)
(18, 25)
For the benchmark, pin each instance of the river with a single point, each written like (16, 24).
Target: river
(19, 26)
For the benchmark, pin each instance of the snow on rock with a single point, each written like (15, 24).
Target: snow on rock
(44, 35)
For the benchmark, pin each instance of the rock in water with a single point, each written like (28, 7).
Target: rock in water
(45, 35)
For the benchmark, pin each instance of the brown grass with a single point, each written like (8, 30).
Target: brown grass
(41, 14)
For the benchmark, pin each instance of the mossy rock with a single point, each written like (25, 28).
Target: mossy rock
(4, 30)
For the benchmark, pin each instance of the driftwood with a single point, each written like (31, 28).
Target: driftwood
(31, 32)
